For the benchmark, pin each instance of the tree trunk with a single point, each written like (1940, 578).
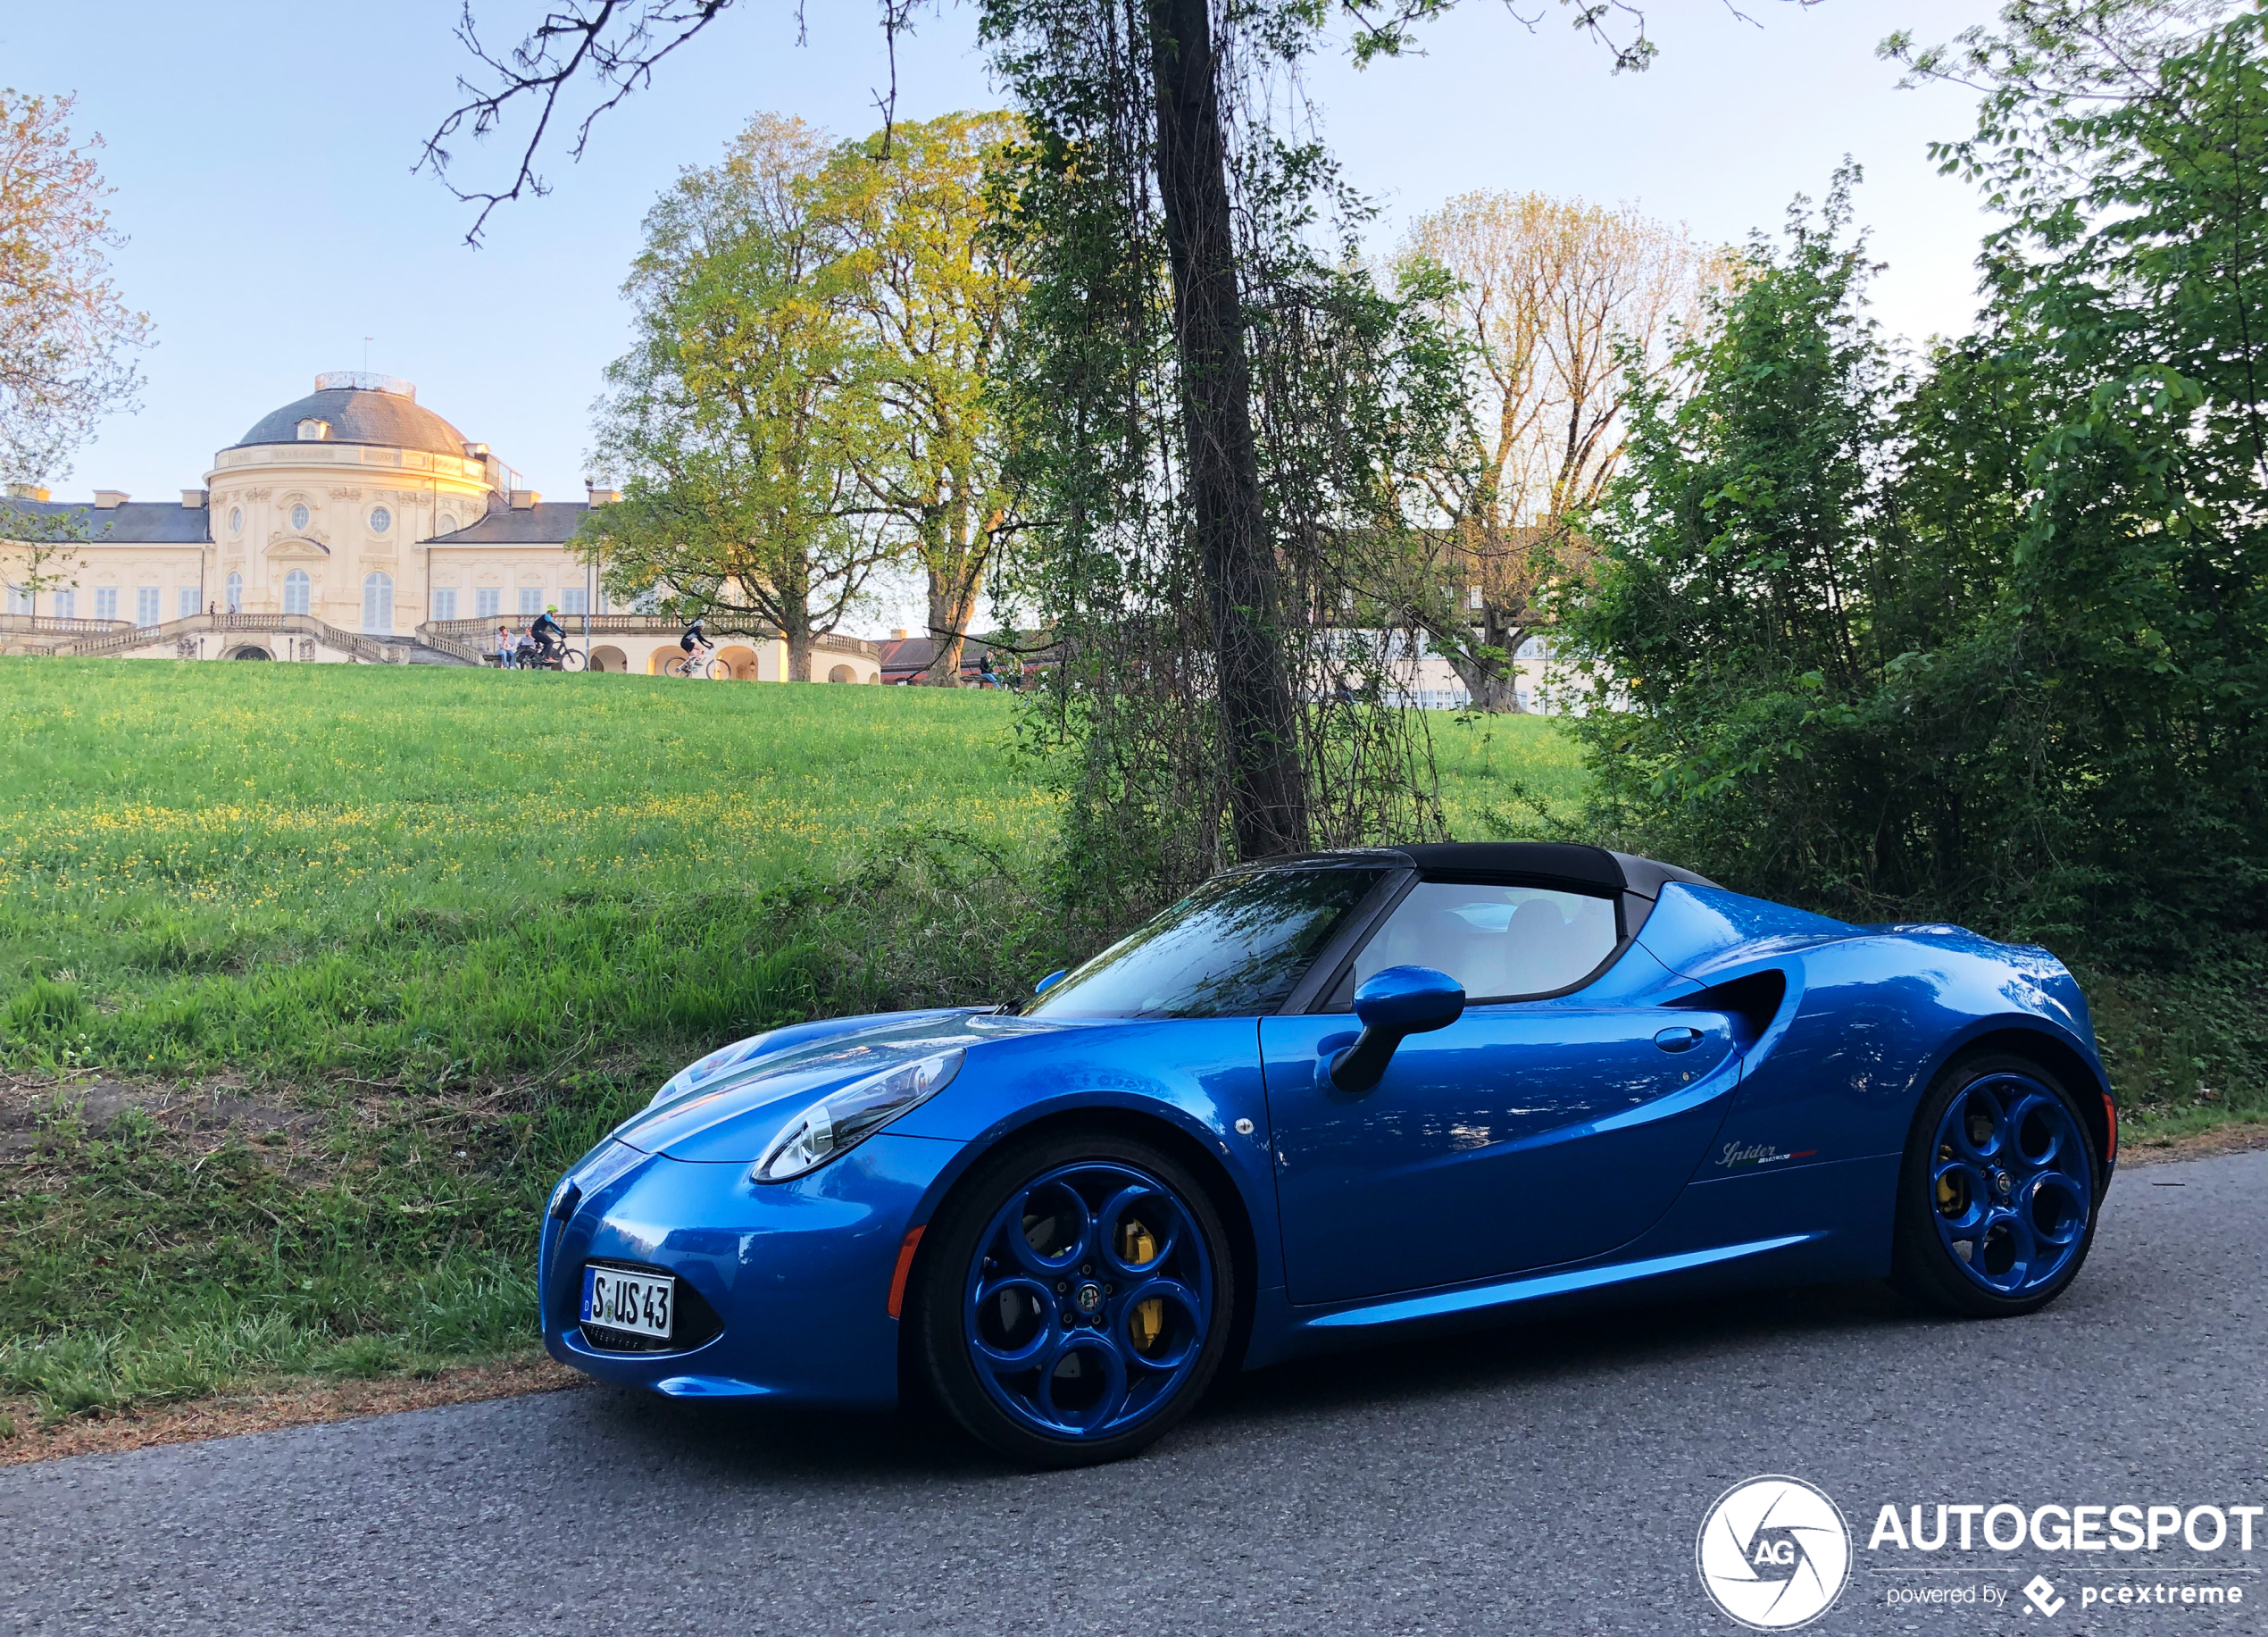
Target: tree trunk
(1267, 793)
(951, 607)
(1494, 686)
(953, 575)
(798, 652)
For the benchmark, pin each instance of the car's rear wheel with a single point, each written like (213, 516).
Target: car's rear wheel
(1996, 1208)
(1075, 1299)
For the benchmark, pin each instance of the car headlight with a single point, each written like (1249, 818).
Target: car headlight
(843, 1119)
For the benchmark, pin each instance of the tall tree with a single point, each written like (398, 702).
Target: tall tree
(736, 415)
(67, 340)
(2126, 141)
(934, 291)
(1565, 306)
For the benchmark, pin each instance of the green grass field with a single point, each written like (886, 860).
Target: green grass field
(428, 875)
(312, 979)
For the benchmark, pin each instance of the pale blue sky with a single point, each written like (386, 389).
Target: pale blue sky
(262, 153)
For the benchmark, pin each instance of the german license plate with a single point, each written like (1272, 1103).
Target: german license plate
(643, 1304)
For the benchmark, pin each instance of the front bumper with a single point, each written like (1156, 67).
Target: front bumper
(799, 1274)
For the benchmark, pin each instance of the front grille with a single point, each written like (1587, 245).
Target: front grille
(696, 1322)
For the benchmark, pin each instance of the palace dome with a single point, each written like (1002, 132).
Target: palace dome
(353, 408)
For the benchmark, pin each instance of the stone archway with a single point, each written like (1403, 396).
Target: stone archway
(742, 660)
(610, 659)
(250, 650)
(842, 673)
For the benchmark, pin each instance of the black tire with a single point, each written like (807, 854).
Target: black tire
(1922, 1266)
(718, 671)
(939, 1349)
(571, 660)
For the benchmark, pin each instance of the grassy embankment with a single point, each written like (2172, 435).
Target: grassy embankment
(340, 966)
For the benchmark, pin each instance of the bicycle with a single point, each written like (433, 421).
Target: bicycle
(559, 659)
(692, 665)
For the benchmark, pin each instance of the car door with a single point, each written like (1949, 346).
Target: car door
(1535, 1130)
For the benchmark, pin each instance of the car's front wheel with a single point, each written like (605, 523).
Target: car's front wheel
(1996, 1208)
(1075, 1299)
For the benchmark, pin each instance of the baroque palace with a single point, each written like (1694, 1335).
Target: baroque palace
(352, 525)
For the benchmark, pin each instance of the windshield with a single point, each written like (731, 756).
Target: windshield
(1232, 948)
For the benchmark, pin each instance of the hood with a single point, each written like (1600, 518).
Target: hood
(730, 1104)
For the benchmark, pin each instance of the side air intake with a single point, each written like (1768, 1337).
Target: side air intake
(1752, 1002)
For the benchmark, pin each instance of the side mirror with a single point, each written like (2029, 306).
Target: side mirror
(1050, 980)
(1392, 1004)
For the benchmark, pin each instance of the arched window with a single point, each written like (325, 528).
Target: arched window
(296, 590)
(378, 605)
(234, 604)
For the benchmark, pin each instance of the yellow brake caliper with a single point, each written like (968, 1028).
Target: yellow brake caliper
(1137, 1246)
(1949, 1200)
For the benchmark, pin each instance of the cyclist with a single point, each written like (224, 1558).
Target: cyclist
(549, 635)
(696, 644)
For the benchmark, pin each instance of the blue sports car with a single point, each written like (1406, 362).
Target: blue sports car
(1327, 1100)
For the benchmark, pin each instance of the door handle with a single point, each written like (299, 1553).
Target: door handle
(1682, 1037)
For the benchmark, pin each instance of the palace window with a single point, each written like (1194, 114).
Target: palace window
(185, 603)
(235, 603)
(145, 604)
(67, 605)
(531, 601)
(236, 519)
(298, 591)
(107, 602)
(19, 600)
(488, 602)
(381, 519)
(299, 518)
(378, 605)
(445, 602)
(574, 599)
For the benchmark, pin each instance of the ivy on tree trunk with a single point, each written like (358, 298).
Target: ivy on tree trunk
(1268, 808)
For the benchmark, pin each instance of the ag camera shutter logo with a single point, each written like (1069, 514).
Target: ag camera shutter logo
(1774, 1553)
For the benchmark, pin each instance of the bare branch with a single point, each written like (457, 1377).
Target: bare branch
(1390, 29)
(897, 18)
(613, 44)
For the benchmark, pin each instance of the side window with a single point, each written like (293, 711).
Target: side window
(1497, 941)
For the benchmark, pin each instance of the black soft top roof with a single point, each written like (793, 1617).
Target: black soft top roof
(1591, 867)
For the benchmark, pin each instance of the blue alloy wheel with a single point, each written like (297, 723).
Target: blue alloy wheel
(1088, 1301)
(2011, 1184)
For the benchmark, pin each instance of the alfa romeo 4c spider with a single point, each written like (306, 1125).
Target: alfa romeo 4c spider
(1330, 1100)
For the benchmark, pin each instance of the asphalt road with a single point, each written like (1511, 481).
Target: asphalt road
(1546, 1478)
